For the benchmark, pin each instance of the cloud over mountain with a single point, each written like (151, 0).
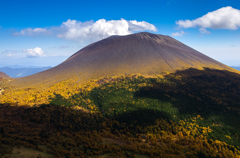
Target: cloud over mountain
(223, 18)
(77, 30)
(90, 30)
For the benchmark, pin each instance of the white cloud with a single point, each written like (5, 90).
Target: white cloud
(91, 31)
(36, 52)
(33, 32)
(140, 26)
(204, 31)
(223, 18)
(178, 33)
(77, 30)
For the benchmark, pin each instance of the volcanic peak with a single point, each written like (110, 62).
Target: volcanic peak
(141, 53)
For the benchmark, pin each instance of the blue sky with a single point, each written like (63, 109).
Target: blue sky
(45, 33)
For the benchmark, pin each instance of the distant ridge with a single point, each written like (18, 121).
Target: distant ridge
(4, 76)
(236, 67)
(143, 53)
(22, 72)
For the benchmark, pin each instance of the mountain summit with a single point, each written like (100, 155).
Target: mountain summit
(143, 53)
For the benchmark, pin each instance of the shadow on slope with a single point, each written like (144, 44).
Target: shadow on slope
(142, 117)
(138, 117)
(61, 131)
(213, 94)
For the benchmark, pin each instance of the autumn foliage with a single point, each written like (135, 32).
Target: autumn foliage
(190, 113)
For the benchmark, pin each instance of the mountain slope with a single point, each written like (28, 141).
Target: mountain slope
(143, 53)
(4, 76)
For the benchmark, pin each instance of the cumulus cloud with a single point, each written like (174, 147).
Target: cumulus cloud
(77, 30)
(204, 31)
(36, 52)
(90, 30)
(223, 18)
(178, 33)
(140, 26)
(33, 32)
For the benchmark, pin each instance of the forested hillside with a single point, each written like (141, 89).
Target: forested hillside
(190, 113)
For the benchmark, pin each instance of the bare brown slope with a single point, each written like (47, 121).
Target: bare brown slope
(143, 53)
(4, 76)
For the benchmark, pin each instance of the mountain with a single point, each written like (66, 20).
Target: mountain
(141, 95)
(22, 72)
(143, 53)
(4, 76)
